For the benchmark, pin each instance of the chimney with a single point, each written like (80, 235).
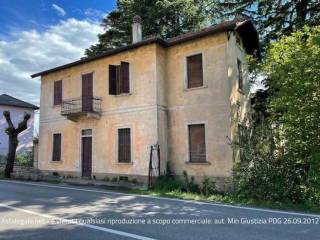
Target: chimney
(136, 29)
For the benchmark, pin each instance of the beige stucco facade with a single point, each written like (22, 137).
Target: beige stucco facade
(158, 110)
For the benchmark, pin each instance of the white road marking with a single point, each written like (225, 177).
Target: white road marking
(168, 199)
(68, 221)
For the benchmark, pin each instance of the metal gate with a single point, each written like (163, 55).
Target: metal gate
(154, 164)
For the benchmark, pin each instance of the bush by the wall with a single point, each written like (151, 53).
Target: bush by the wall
(280, 157)
(25, 159)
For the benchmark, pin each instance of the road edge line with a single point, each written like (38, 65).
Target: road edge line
(169, 199)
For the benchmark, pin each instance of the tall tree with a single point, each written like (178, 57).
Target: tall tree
(275, 18)
(281, 156)
(161, 18)
(13, 140)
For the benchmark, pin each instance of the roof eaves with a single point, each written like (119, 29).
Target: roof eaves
(108, 53)
(14, 102)
(235, 24)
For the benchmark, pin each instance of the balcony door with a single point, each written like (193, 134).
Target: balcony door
(87, 92)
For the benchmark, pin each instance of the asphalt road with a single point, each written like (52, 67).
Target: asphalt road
(44, 211)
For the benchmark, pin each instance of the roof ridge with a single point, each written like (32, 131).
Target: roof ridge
(228, 25)
(28, 105)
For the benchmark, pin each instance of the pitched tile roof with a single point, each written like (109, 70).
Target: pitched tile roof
(242, 25)
(11, 101)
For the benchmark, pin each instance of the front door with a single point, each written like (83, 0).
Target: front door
(86, 157)
(87, 92)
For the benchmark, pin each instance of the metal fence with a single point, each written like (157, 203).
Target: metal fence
(81, 105)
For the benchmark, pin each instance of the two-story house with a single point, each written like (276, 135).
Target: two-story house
(100, 115)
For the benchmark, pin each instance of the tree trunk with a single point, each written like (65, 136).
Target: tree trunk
(13, 140)
(13, 144)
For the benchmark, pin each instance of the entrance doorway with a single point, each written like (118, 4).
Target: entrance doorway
(86, 152)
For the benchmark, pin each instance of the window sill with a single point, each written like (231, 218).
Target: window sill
(123, 95)
(56, 106)
(195, 88)
(56, 162)
(198, 163)
(124, 163)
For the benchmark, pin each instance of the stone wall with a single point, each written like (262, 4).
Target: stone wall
(22, 172)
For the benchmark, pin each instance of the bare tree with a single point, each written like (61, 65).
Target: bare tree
(13, 139)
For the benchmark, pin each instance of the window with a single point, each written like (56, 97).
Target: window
(240, 77)
(86, 132)
(57, 96)
(124, 145)
(194, 71)
(119, 81)
(56, 150)
(242, 131)
(197, 143)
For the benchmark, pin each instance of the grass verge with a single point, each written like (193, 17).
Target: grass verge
(218, 198)
(215, 198)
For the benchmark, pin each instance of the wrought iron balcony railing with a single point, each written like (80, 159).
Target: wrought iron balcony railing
(81, 106)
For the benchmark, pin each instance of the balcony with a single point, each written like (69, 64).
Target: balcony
(75, 108)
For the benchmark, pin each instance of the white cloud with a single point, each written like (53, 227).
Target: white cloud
(60, 11)
(32, 51)
(94, 13)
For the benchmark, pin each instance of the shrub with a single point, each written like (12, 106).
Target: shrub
(189, 184)
(208, 187)
(134, 181)
(25, 159)
(167, 183)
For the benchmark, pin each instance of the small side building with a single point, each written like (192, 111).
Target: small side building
(17, 109)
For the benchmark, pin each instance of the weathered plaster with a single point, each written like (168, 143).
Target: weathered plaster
(158, 109)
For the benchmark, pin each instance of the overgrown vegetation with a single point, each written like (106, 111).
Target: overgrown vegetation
(168, 186)
(22, 159)
(168, 183)
(280, 160)
(25, 159)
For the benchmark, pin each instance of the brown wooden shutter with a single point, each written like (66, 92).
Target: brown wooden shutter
(112, 80)
(197, 143)
(195, 71)
(124, 78)
(124, 145)
(56, 149)
(87, 92)
(118, 80)
(57, 99)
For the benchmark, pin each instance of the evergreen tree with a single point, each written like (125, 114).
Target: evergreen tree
(161, 18)
(274, 18)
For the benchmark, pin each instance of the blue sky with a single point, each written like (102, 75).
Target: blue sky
(39, 34)
(39, 14)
